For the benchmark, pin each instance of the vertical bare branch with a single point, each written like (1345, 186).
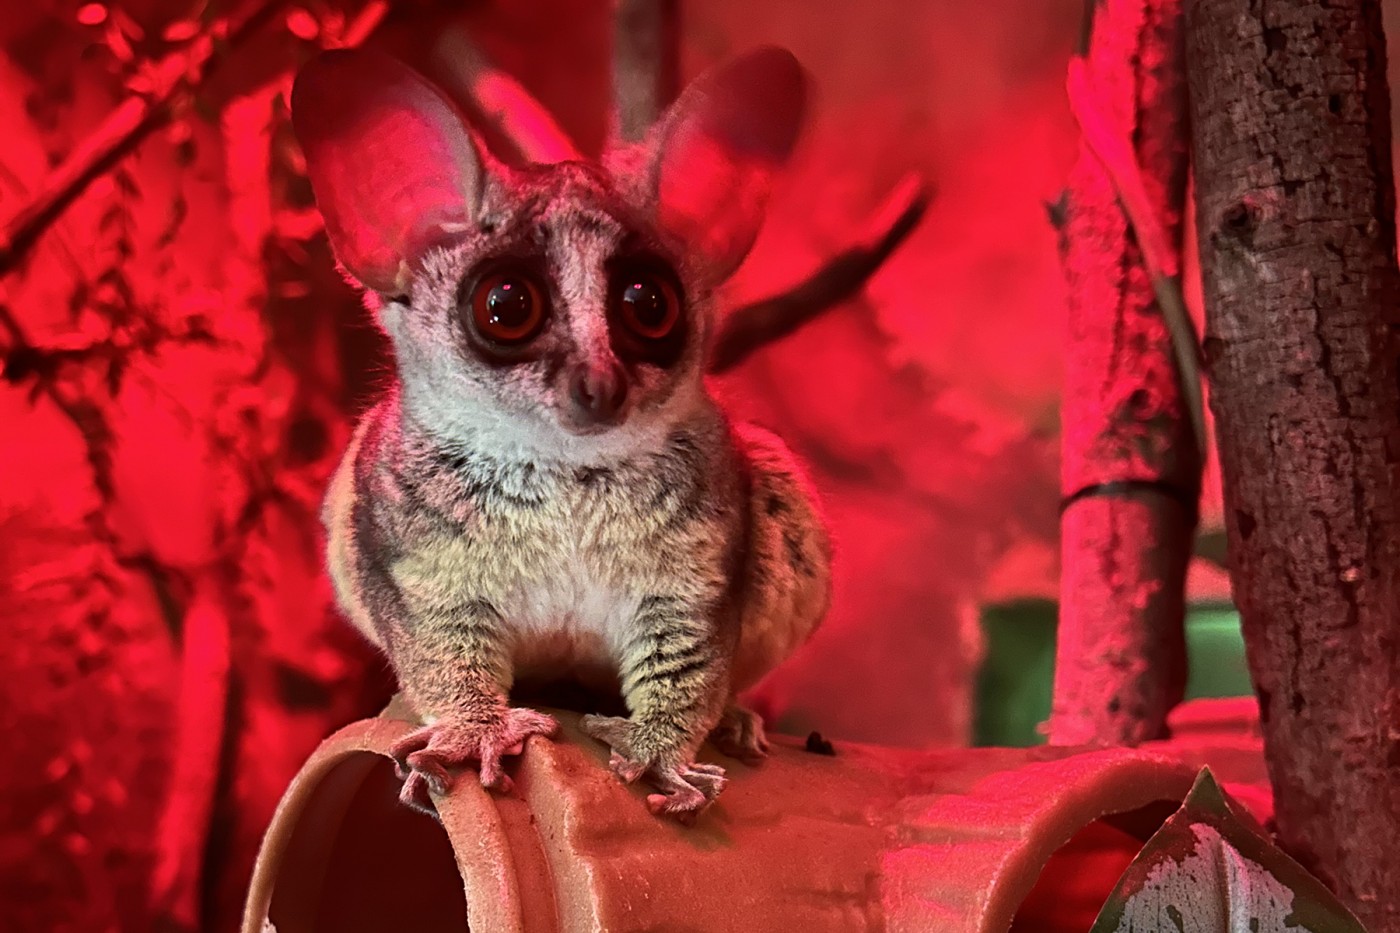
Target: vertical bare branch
(1130, 469)
(517, 128)
(646, 64)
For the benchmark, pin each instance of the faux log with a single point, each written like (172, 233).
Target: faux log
(1296, 218)
(867, 839)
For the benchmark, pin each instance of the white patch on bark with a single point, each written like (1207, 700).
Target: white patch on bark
(1215, 889)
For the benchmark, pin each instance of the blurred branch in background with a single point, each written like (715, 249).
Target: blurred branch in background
(646, 65)
(751, 327)
(169, 82)
(516, 127)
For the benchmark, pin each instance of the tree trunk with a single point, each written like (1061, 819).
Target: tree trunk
(1297, 233)
(1130, 466)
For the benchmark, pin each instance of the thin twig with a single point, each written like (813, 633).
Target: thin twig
(358, 29)
(126, 128)
(754, 326)
(201, 719)
(1118, 160)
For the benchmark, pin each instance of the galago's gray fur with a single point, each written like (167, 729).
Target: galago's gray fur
(549, 491)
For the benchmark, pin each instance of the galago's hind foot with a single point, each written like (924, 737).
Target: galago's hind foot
(739, 734)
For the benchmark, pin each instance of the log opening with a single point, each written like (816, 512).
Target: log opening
(358, 861)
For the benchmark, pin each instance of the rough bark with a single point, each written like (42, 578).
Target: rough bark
(1130, 462)
(1296, 225)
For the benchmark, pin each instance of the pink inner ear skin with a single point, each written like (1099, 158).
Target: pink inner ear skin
(718, 148)
(756, 104)
(390, 161)
(389, 196)
(713, 201)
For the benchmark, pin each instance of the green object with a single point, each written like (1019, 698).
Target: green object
(1212, 869)
(1012, 690)
(1215, 652)
(1013, 686)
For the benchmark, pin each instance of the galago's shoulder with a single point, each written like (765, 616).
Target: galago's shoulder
(764, 452)
(348, 481)
(404, 482)
(780, 486)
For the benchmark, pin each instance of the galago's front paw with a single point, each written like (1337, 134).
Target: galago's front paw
(686, 788)
(423, 757)
(740, 734)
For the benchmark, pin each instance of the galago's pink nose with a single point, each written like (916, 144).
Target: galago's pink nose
(599, 391)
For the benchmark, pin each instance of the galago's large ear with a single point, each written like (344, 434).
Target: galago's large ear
(391, 163)
(714, 153)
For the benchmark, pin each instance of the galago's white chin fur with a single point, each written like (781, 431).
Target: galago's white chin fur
(440, 398)
(541, 438)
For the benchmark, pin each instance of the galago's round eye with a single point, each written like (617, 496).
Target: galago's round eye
(646, 305)
(507, 308)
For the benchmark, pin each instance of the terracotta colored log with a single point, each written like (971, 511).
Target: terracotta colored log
(1130, 467)
(867, 839)
(1296, 224)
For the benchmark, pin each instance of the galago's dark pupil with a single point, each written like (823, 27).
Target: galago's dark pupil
(647, 302)
(509, 304)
